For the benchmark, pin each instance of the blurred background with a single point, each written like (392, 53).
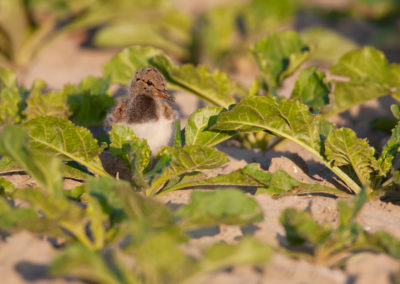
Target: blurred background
(57, 39)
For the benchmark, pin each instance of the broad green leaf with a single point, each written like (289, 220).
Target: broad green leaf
(26, 219)
(370, 76)
(160, 260)
(224, 32)
(390, 150)
(250, 175)
(285, 118)
(215, 88)
(279, 184)
(41, 103)
(348, 212)
(47, 170)
(134, 152)
(247, 251)
(83, 263)
(211, 208)
(328, 45)
(188, 159)
(301, 228)
(343, 148)
(6, 187)
(9, 105)
(130, 33)
(311, 89)
(278, 55)
(89, 101)
(139, 208)
(384, 242)
(8, 78)
(395, 110)
(123, 66)
(197, 129)
(63, 138)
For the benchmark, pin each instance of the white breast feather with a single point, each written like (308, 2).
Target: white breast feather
(157, 133)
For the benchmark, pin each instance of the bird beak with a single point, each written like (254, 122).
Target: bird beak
(163, 94)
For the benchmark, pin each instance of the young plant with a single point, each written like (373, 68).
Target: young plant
(104, 223)
(328, 245)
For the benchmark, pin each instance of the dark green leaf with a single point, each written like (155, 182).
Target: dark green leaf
(278, 55)
(311, 88)
(301, 228)
(134, 152)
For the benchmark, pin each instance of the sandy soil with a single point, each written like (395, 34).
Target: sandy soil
(24, 258)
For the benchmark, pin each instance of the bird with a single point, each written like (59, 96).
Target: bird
(148, 110)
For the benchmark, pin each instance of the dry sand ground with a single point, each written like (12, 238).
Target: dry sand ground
(24, 257)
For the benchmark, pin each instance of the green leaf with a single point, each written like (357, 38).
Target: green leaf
(89, 101)
(6, 187)
(390, 150)
(134, 152)
(301, 228)
(47, 170)
(63, 138)
(9, 104)
(285, 118)
(179, 140)
(83, 263)
(219, 207)
(41, 103)
(396, 111)
(188, 159)
(123, 66)
(311, 89)
(250, 175)
(130, 33)
(247, 251)
(8, 78)
(278, 55)
(197, 129)
(384, 242)
(328, 45)
(280, 184)
(343, 148)
(215, 88)
(348, 212)
(370, 76)
(160, 260)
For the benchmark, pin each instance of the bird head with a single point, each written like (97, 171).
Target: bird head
(149, 81)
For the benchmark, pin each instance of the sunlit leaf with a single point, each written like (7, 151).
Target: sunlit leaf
(343, 148)
(63, 138)
(47, 170)
(370, 76)
(188, 159)
(197, 129)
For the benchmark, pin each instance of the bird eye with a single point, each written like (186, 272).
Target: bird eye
(149, 83)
